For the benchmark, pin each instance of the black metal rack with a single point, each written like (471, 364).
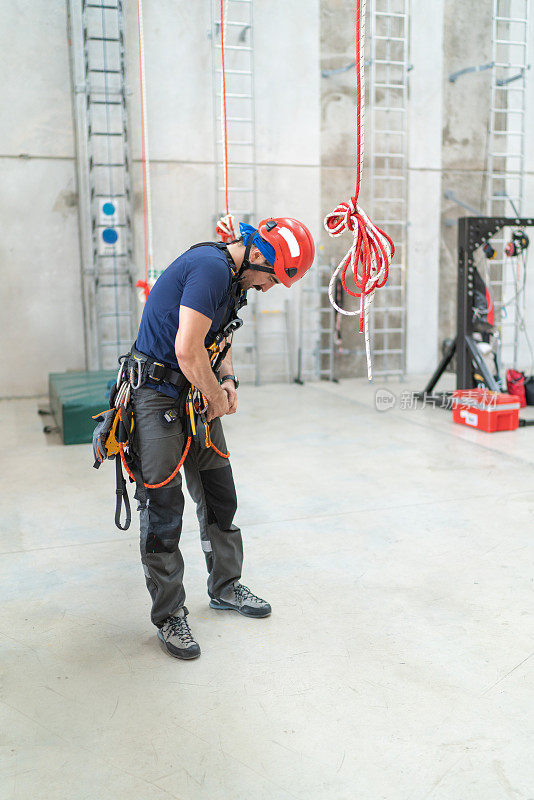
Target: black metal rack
(472, 233)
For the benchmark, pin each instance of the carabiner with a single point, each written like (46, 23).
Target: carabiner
(120, 374)
(138, 382)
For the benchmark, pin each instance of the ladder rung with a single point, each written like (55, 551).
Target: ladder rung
(235, 71)
(390, 86)
(397, 15)
(237, 119)
(114, 255)
(118, 7)
(106, 133)
(511, 19)
(105, 71)
(390, 38)
(235, 47)
(389, 155)
(387, 352)
(386, 132)
(508, 133)
(392, 63)
(114, 314)
(111, 225)
(105, 102)
(507, 110)
(110, 194)
(98, 164)
(102, 39)
(509, 41)
(236, 94)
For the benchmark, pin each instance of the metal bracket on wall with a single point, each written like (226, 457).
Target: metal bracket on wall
(453, 77)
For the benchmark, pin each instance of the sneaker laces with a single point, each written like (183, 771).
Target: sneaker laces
(243, 593)
(178, 626)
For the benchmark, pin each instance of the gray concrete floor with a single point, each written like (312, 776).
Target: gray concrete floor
(394, 548)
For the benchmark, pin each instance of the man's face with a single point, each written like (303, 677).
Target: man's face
(254, 279)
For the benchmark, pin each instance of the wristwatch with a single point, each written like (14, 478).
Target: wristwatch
(230, 378)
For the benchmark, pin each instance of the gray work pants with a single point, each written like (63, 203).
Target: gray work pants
(159, 445)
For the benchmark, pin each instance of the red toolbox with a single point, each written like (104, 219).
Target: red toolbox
(485, 410)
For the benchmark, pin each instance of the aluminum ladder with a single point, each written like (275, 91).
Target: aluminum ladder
(316, 348)
(506, 161)
(388, 174)
(97, 58)
(239, 71)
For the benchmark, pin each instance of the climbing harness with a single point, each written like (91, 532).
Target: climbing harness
(114, 434)
(372, 250)
(225, 227)
(150, 274)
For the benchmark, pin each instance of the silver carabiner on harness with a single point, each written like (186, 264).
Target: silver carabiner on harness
(136, 384)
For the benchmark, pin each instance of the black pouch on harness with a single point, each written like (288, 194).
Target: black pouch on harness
(104, 422)
(113, 429)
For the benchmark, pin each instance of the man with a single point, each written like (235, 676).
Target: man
(193, 303)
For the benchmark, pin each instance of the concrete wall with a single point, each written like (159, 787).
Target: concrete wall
(305, 154)
(40, 291)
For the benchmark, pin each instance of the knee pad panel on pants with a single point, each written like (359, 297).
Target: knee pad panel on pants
(220, 494)
(161, 521)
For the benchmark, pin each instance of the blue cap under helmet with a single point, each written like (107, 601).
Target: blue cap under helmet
(267, 250)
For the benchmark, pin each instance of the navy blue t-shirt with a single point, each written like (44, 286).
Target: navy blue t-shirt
(200, 279)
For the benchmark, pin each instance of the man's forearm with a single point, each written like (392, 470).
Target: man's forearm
(227, 367)
(197, 369)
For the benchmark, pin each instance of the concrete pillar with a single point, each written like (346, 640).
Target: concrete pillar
(424, 185)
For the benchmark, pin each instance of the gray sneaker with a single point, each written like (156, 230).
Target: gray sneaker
(239, 598)
(176, 636)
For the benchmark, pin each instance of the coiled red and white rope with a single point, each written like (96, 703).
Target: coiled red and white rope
(225, 227)
(372, 250)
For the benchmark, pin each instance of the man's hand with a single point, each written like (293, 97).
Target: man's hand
(231, 393)
(217, 406)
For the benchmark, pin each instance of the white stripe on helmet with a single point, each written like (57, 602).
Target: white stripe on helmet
(291, 239)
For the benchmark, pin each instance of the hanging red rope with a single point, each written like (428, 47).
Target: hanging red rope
(372, 250)
(225, 227)
(150, 276)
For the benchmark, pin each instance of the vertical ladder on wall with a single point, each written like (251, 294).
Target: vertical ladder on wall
(506, 159)
(239, 71)
(388, 173)
(96, 36)
(316, 326)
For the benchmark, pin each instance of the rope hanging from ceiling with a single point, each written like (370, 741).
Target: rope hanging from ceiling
(225, 227)
(150, 274)
(372, 250)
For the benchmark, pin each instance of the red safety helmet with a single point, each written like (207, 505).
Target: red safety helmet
(293, 245)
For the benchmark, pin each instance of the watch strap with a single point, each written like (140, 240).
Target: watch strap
(230, 378)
